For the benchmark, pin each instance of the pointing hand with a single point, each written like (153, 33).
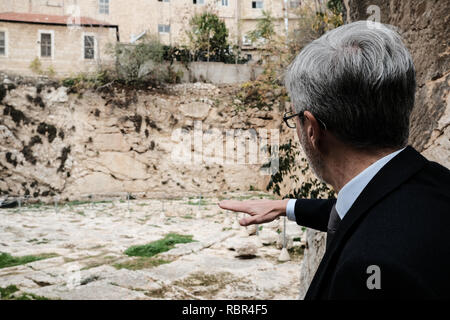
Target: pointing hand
(260, 211)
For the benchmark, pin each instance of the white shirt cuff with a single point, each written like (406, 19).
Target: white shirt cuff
(290, 209)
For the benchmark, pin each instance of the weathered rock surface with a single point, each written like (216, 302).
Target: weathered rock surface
(90, 240)
(59, 143)
(424, 26)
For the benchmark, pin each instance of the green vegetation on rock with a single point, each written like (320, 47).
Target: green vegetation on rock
(8, 294)
(155, 247)
(7, 260)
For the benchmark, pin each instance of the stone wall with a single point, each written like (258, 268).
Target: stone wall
(219, 72)
(425, 27)
(123, 140)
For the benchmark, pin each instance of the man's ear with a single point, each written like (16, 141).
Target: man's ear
(312, 129)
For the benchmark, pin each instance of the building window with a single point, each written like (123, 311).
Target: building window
(54, 3)
(257, 4)
(103, 6)
(163, 28)
(294, 4)
(225, 3)
(198, 1)
(2, 43)
(46, 45)
(246, 41)
(89, 47)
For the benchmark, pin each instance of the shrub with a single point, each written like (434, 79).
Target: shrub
(36, 66)
(51, 71)
(142, 62)
(310, 187)
(89, 80)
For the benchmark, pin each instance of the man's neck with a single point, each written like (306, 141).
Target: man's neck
(347, 163)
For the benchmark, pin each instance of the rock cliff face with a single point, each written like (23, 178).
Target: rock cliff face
(59, 143)
(424, 26)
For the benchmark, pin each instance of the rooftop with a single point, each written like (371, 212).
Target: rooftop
(51, 19)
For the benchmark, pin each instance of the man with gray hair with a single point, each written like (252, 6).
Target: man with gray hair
(352, 93)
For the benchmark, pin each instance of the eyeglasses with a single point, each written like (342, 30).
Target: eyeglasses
(289, 119)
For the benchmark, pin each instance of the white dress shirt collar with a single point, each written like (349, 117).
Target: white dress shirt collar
(352, 189)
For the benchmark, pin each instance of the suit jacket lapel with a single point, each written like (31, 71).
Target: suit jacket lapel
(394, 173)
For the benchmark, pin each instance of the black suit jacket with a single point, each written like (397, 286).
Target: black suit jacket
(400, 223)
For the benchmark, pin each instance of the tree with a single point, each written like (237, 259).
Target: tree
(265, 29)
(208, 36)
(140, 62)
(335, 6)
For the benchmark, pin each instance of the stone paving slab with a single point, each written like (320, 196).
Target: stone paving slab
(222, 263)
(99, 290)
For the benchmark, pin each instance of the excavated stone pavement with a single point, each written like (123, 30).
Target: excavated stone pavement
(89, 240)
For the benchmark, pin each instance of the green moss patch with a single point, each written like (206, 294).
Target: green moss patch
(155, 247)
(7, 260)
(8, 294)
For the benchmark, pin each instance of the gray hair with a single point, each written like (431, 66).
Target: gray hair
(359, 79)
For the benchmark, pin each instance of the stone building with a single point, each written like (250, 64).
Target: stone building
(53, 44)
(166, 19)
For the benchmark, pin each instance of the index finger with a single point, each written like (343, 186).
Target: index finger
(234, 205)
